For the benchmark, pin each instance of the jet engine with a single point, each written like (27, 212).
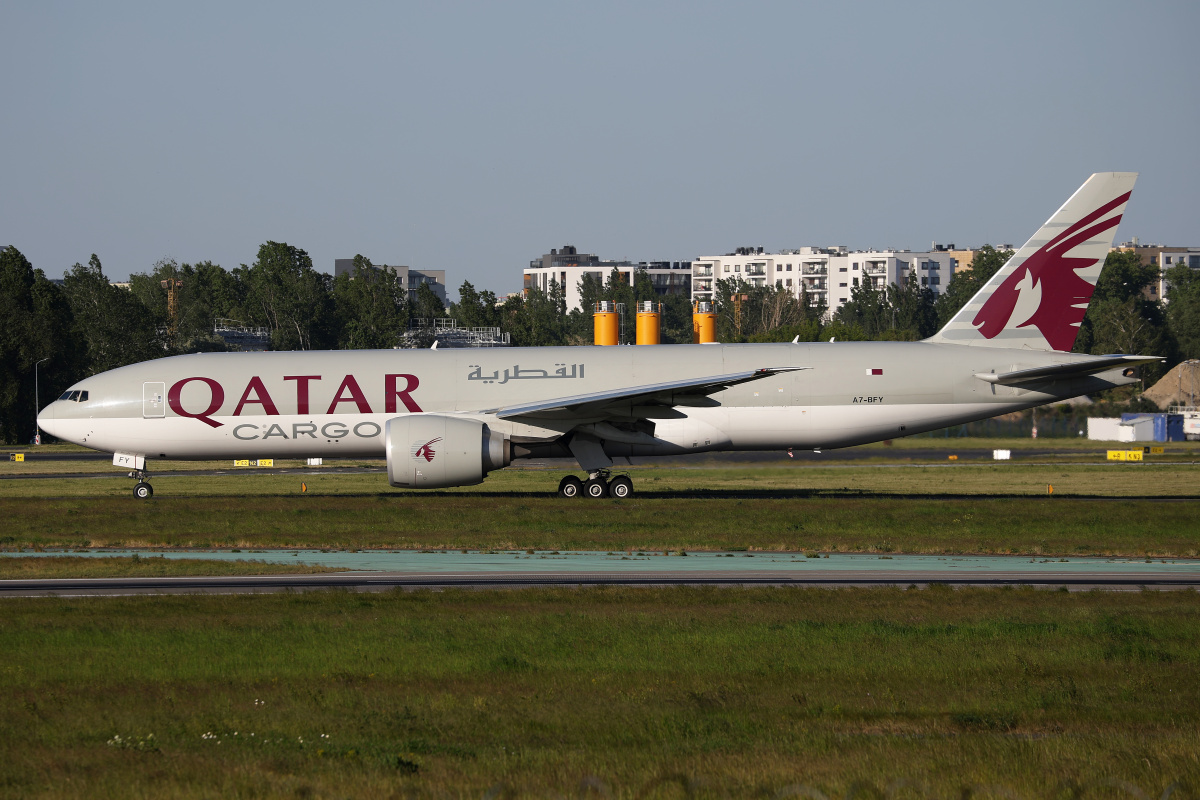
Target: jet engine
(433, 451)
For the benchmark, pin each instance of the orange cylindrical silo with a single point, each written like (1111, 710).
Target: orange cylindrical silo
(704, 324)
(607, 323)
(648, 318)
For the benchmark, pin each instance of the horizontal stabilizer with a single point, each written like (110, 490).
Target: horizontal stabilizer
(1062, 372)
(671, 393)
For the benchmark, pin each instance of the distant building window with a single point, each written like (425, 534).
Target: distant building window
(856, 281)
(727, 268)
(856, 265)
(1194, 262)
(841, 269)
(935, 281)
(924, 280)
(789, 281)
(789, 267)
(1166, 259)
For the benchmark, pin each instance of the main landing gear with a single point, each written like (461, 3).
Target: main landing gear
(597, 485)
(143, 490)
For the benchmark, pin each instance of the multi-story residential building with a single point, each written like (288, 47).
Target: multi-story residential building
(827, 274)
(566, 266)
(411, 279)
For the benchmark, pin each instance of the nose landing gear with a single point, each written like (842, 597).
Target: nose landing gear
(597, 485)
(142, 490)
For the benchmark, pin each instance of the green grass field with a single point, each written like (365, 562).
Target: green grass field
(628, 692)
(944, 508)
(138, 566)
(607, 692)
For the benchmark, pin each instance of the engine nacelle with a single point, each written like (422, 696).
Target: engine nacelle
(433, 451)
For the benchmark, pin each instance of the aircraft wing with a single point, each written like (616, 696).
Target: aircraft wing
(1059, 372)
(691, 392)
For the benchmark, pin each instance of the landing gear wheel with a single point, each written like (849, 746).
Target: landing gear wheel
(596, 487)
(143, 491)
(620, 487)
(570, 486)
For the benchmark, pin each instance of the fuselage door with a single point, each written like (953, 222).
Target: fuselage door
(154, 400)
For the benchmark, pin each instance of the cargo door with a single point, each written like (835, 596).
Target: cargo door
(154, 400)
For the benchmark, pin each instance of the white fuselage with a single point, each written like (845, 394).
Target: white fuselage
(337, 404)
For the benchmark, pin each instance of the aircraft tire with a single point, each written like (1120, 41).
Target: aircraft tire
(143, 491)
(596, 488)
(570, 487)
(620, 487)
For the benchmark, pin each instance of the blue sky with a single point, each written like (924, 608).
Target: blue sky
(472, 137)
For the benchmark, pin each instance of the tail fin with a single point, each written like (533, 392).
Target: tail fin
(1038, 299)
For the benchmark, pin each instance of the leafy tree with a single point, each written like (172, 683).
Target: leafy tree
(428, 305)
(205, 293)
(807, 331)
(114, 326)
(913, 311)
(1183, 309)
(765, 310)
(475, 309)
(285, 293)
(867, 308)
(36, 325)
(538, 318)
(966, 283)
(371, 307)
(1121, 318)
(676, 320)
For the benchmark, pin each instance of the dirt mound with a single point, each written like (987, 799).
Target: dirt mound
(1179, 386)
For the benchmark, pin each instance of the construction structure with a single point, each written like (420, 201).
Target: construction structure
(445, 333)
(704, 323)
(607, 319)
(237, 335)
(649, 322)
(172, 286)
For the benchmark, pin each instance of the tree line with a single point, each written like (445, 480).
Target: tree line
(86, 325)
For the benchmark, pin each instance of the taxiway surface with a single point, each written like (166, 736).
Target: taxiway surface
(381, 570)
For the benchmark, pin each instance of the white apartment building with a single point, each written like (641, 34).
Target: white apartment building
(566, 266)
(826, 273)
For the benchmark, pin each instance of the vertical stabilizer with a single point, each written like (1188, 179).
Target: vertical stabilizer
(1038, 299)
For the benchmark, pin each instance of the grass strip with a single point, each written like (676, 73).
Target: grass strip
(140, 566)
(794, 479)
(636, 692)
(1045, 525)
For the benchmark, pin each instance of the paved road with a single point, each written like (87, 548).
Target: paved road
(1073, 581)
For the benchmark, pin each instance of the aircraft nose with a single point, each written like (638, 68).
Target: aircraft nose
(47, 417)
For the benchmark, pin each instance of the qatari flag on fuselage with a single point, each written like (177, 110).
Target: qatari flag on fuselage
(875, 371)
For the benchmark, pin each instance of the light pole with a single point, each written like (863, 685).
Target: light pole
(37, 403)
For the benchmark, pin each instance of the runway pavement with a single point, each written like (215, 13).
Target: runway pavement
(374, 581)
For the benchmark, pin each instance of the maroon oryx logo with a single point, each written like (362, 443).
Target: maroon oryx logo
(1064, 294)
(426, 450)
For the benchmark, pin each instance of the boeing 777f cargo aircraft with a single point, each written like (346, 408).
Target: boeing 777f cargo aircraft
(447, 418)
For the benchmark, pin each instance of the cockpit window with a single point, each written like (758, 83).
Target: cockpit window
(79, 396)
(83, 396)
(66, 395)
